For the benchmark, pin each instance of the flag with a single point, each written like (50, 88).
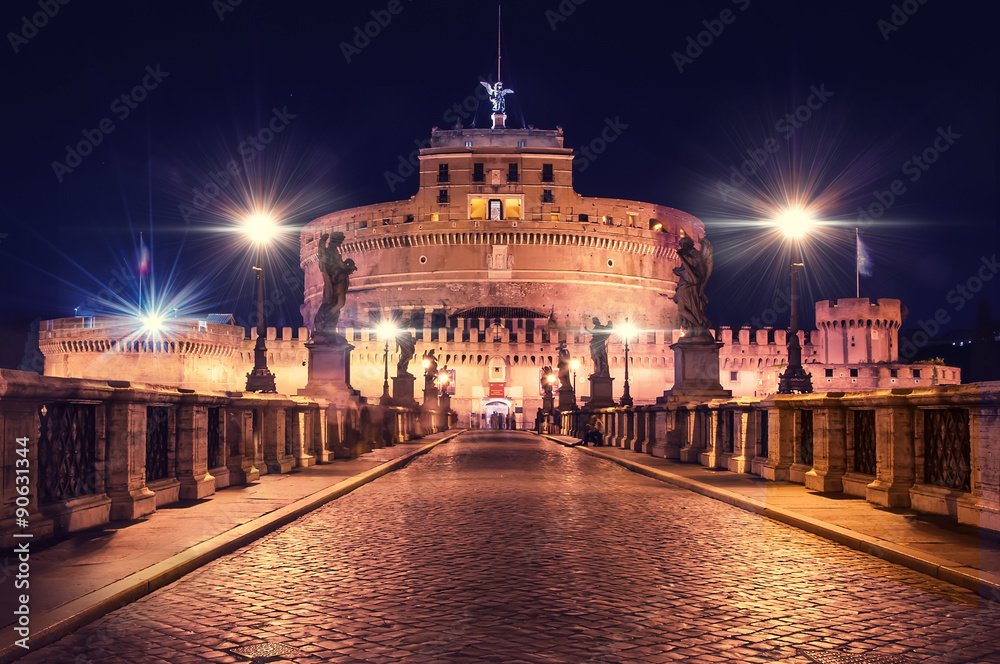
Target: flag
(864, 259)
(143, 257)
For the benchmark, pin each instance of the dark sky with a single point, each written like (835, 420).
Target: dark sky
(886, 95)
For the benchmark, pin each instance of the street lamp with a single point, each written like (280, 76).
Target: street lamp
(795, 223)
(386, 331)
(627, 331)
(574, 364)
(443, 380)
(260, 229)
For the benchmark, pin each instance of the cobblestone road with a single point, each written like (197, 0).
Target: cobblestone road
(506, 548)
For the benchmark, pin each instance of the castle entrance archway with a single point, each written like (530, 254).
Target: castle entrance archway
(497, 413)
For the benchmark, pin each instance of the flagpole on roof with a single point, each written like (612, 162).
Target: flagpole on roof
(857, 267)
(140, 273)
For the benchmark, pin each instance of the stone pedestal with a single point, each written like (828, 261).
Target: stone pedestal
(567, 399)
(601, 394)
(402, 391)
(330, 372)
(696, 370)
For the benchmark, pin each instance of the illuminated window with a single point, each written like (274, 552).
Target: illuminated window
(655, 225)
(433, 217)
(468, 144)
(522, 144)
(547, 174)
(553, 217)
(477, 208)
(633, 220)
(513, 208)
(478, 173)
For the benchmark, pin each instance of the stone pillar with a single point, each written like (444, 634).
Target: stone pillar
(239, 438)
(894, 474)
(829, 448)
(709, 429)
(130, 497)
(302, 432)
(192, 452)
(628, 429)
(744, 443)
(780, 442)
(641, 424)
(273, 439)
(601, 394)
(693, 443)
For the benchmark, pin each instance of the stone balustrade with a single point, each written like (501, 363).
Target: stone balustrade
(934, 450)
(98, 451)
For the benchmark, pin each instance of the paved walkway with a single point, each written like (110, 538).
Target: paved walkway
(91, 573)
(934, 545)
(504, 547)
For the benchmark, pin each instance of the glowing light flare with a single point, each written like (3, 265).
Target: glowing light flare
(551, 378)
(574, 364)
(795, 222)
(261, 228)
(387, 330)
(153, 323)
(626, 331)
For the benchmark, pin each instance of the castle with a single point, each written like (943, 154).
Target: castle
(492, 264)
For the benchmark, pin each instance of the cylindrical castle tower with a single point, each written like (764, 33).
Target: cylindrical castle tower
(496, 224)
(855, 331)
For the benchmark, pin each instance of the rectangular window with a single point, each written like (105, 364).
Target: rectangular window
(386, 222)
(553, 217)
(477, 208)
(734, 376)
(633, 221)
(547, 196)
(829, 373)
(584, 218)
(854, 373)
(894, 373)
(513, 208)
(496, 210)
(443, 196)
(512, 174)
(468, 144)
(443, 173)
(408, 219)
(363, 224)
(522, 144)
(478, 173)
(916, 373)
(547, 174)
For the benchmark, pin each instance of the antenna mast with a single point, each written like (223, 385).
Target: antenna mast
(499, 19)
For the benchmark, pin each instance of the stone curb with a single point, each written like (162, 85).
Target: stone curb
(984, 584)
(69, 617)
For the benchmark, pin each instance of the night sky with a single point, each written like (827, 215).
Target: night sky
(163, 95)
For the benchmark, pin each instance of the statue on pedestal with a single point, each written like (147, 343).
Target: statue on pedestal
(565, 382)
(690, 295)
(599, 347)
(336, 280)
(406, 344)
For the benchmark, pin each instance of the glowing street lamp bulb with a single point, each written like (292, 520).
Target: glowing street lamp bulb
(386, 330)
(260, 228)
(152, 323)
(444, 378)
(426, 363)
(574, 364)
(795, 222)
(551, 378)
(627, 331)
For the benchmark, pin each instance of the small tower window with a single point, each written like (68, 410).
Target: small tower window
(854, 373)
(547, 173)
(478, 173)
(443, 173)
(547, 196)
(512, 173)
(522, 144)
(443, 196)
(916, 373)
(894, 373)
(468, 144)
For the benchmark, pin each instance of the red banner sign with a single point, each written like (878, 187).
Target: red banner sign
(497, 389)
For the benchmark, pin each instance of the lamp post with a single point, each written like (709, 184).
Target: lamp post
(795, 223)
(444, 401)
(260, 229)
(574, 364)
(626, 331)
(386, 330)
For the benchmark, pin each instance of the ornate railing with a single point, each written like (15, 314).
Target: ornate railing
(805, 437)
(947, 448)
(66, 451)
(864, 442)
(214, 435)
(157, 443)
